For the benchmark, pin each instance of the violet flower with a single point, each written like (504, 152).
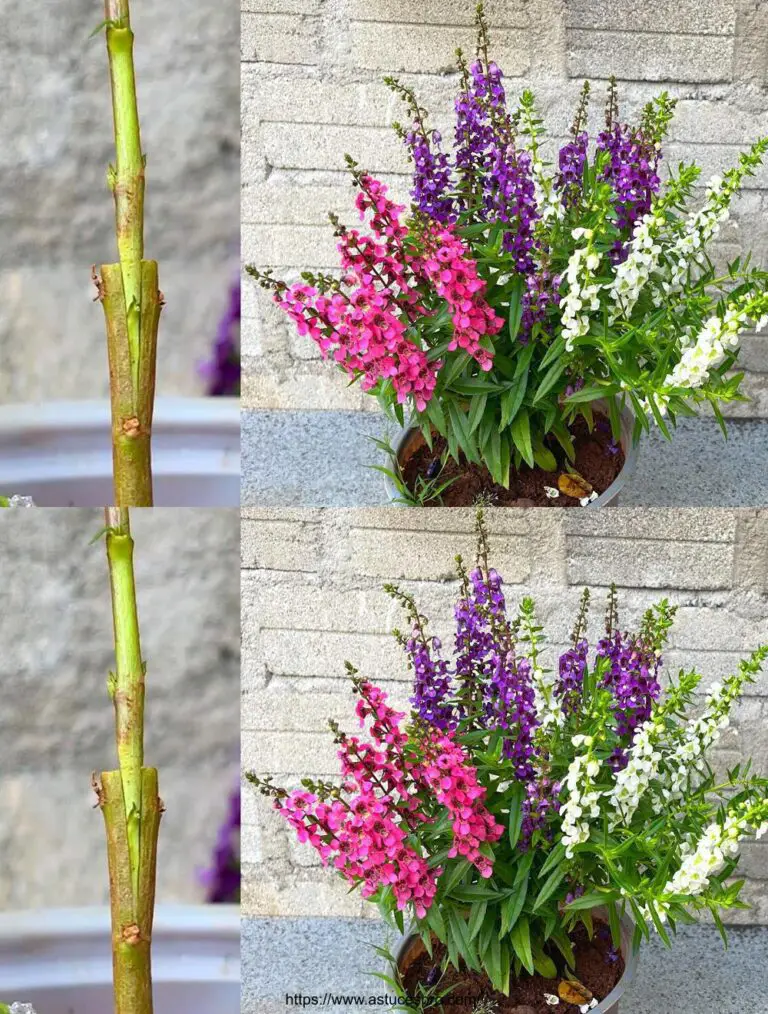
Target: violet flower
(222, 878)
(431, 176)
(222, 370)
(540, 801)
(432, 682)
(633, 678)
(572, 666)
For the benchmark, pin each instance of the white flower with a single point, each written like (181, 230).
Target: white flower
(547, 707)
(551, 492)
(718, 844)
(551, 1000)
(582, 297)
(633, 780)
(633, 272)
(582, 804)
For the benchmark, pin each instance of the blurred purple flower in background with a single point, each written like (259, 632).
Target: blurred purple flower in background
(222, 878)
(222, 371)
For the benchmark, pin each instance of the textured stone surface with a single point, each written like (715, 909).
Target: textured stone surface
(56, 214)
(323, 956)
(312, 599)
(312, 91)
(56, 723)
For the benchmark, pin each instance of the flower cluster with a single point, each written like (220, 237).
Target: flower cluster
(718, 338)
(512, 278)
(572, 666)
(581, 299)
(500, 796)
(454, 276)
(718, 844)
(539, 804)
(454, 783)
(632, 171)
(583, 802)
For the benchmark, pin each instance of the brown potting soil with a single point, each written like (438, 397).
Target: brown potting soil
(594, 969)
(597, 460)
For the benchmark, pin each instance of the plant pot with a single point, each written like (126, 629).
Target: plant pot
(60, 453)
(608, 496)
(60, 960)
(609, 1005)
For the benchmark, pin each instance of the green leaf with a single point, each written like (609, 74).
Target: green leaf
(521, 436)
(587, 394)
(543, 457)
(460, 425)
(435, 922)
(512, 906)
(590, 900)
(520, 938)
(436, 415)
(555, 856)
(451, 371)
(549, 380)
(544, 965)
(551, 884)
(562, 941)
(450, 880)
(512, 399)
(476, 410)
(515, 307)
(554, 352)
(515, 813)
(615, 924)
(476, 918)
(461, 935)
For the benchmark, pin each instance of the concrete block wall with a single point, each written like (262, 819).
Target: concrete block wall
(56, 214)
(312, 90)
(56, 719)
(312, 598)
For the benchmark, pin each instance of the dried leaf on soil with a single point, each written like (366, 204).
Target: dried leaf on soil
(572, 484)
(572, 991)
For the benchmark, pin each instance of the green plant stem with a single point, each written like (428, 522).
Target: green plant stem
(129, 289)
(127, 683)
(129, 796)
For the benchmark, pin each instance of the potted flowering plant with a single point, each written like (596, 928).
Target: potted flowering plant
(526, 321)
(533, 825)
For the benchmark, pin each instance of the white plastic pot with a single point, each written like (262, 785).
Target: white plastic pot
(608, 496)
(60, 960)
(610, 1003)
(60, 453)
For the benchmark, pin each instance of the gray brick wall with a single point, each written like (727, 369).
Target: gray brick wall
(311, 80)
(56, 720)
(56, 214)
(312, 598)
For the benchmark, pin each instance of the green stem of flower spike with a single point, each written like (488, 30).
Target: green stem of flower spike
(129, 289)
(129, 796)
